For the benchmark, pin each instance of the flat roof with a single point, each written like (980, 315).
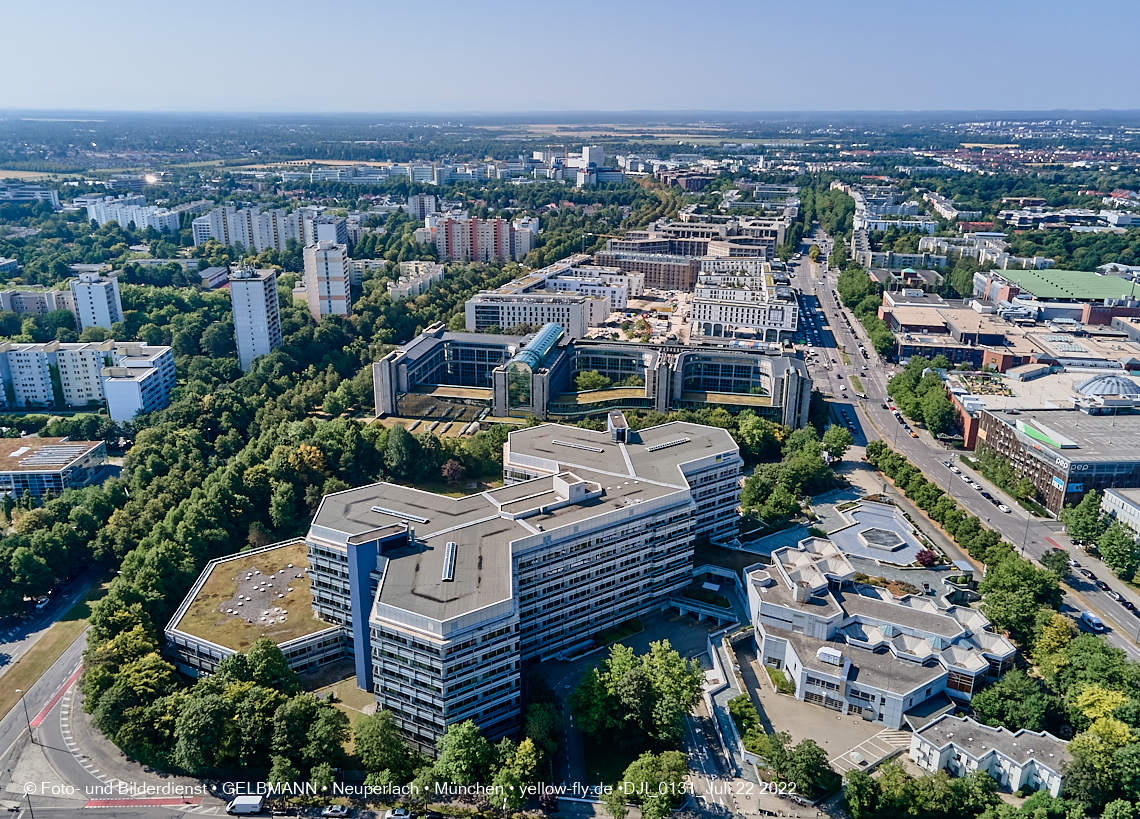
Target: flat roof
(261, 576)
(42, 454)
(1110, 438)
(1077, 285)
(883, 671)
(876, 608)
(978, 740)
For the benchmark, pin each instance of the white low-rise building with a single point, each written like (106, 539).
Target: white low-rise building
(1017, 760)
(1122, 505)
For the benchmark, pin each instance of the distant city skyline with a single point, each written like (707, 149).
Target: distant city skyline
(513, 57)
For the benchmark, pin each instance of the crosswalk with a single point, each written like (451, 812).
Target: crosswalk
(870, 751)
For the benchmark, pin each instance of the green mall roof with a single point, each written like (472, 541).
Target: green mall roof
(1080, 285)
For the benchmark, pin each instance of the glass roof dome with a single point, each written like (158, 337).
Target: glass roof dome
(1109, 384)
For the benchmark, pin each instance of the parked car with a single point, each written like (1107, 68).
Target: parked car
(946, 463)
(335, 810)
(956, 470)
(1088, 574)
(1127, 604)
(1100, 584)
(1074, 564)
(987, 496)
(1003, 508)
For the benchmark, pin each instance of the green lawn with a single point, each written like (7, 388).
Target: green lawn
(846, 358)
(40, 657)
(856, 383)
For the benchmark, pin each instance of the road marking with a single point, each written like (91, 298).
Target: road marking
(39, 718)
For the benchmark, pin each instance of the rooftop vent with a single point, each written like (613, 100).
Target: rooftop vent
(829, 655)
(578, 446)
(668, 444)
(402, 515)
(449, 561)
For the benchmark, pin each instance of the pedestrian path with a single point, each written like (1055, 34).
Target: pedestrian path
(870, 752)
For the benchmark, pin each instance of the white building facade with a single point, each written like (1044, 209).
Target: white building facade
(257, 313)
(327, 280)
(96, 300)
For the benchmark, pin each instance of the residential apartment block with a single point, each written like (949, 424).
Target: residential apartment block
(128, 378)
(133, 210)
(29, 193)
(327, 280)
(96, 300)
(416, 278)
(257, 313)
(251, 228)
(465, 239)
(420, 205)
(36, 301)
(448, 598)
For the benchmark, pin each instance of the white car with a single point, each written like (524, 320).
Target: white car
(977, 486)
(335, 810)
(1005, 508)
(956, 470)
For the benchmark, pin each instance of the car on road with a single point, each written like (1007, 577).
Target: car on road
(1088, 574)
(987, 496)
(1092, 621)
(913, 434)
(1128, 604)
(1003, 508)
(975, 485)
(1115, 595)
(964, 478)
(956, 470)
(335, 810)
(946, 463)
(1100, 584)
(1074, 564)
(884, 406)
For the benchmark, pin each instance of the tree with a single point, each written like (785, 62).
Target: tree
(322, 777)
(1118, 550)
(813, 253)
(203, 734)
(1118, 809)
(283, 505)
(452, 471)
(543, 724)
(1016, 701)
(807, 766)
(1056, 634)
(400, 452)
(282, 772)
(656, 782)
(464, 754)
(837, 440)
(592, 380)
(380, 746)
(1012, 593)
(269, 668)
(1083, 520)
(937, 411)
(1056, 561)
(861, 793)
(926, 557)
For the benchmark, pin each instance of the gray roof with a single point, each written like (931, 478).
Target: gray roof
(660, 466)
(1111, 438)
(978, 740)
(1108, 384)
(882, 671)
(875, 608)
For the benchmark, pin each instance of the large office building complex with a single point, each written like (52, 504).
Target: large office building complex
(457, 376)
(38, 466)
(327, 280)
(1066, 452)
(96, 300)
(448, 598)
(257, 313)
(725, 304)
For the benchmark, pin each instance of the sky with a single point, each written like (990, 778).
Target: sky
(497, 56)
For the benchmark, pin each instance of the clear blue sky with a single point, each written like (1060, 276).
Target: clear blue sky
(502, 55)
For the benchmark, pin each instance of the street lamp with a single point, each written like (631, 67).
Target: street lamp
(1025, 537)
(29, 721)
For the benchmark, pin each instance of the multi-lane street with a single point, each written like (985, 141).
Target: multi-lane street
(836, 331)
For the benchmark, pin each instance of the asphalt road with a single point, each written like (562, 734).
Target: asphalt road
(17, 638)
(1032, 536)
